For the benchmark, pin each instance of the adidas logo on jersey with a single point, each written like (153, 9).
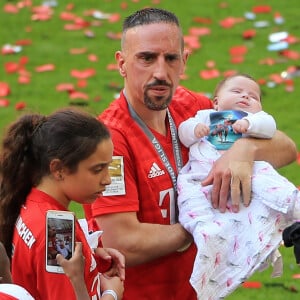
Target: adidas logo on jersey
(155, 171)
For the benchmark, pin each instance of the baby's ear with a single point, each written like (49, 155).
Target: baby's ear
(215, 102)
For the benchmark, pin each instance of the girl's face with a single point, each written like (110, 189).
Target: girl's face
(91, 177)
(239, 93)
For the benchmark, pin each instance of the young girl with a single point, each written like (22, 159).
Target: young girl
(47, 162)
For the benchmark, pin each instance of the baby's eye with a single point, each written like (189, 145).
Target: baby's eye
(256, 98)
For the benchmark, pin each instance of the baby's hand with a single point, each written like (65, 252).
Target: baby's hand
(201, 130)
(240, 126)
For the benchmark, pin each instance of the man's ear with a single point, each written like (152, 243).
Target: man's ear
(56, 169)
(184, 60)
(121, 63)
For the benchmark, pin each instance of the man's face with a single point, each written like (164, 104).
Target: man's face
(151, 62)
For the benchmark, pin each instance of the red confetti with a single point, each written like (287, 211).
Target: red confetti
(249, 34)
(72, 27)
(11, 67)
(4, 102)
(67, 16)
(40, 17)
(261, 81)
(292, 39)
(237, 59)
(199, 31)
(114, 18)
(81, 22)
(78, 50)
(202, 20)
(81, 83)
(23, 42)
(62, 87)
(262, 9)
(24, 79)
(124, 5)
(79, 95)
(20, 105)
(252, 285)
(11, 9)
(238, 50)
(7, 50)
(230, 22)
(92, 57)
(210, 64)
(42, 9)
(70, 6)
(276, 78)
(209, 74)
(267, 61)
(114, 36)
(192, 42)
(229, 73)
(112, 67)
(4, 89)
(83, 74)
(45, 68)
(23, 60)
(290, 54)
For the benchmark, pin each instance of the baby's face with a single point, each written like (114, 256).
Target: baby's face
(239, 93)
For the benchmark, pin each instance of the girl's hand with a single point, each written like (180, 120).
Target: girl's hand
(112, 283)
(117, 260)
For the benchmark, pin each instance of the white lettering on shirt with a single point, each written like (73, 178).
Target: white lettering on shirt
(171, 208)
(24, 233)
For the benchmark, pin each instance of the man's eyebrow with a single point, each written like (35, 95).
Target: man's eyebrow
(143, 53)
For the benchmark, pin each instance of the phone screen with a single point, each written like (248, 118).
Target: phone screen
(59, 238)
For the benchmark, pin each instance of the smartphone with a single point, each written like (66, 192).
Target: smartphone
(60, 235)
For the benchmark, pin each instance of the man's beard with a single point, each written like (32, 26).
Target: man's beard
(151, 104)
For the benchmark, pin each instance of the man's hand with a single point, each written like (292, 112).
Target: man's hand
(241, 172)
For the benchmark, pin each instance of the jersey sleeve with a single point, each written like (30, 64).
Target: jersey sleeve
(120, 203)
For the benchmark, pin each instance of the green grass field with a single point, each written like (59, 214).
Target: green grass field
(47, 42)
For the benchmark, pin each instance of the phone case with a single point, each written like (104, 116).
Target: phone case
(60, 236)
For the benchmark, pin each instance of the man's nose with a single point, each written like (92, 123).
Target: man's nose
(160, 71)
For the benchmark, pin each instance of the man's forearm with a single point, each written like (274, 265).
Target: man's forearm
(278, 151)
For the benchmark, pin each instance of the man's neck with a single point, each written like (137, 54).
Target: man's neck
(156, 120)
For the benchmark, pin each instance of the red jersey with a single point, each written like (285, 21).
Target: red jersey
(29, 246)
(149, 192)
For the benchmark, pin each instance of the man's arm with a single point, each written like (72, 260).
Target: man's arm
(278, 151)
(140, 242)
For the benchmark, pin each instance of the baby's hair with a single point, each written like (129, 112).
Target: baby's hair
(224, 81)
(30, 144)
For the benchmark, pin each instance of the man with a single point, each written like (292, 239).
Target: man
(138, 216)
